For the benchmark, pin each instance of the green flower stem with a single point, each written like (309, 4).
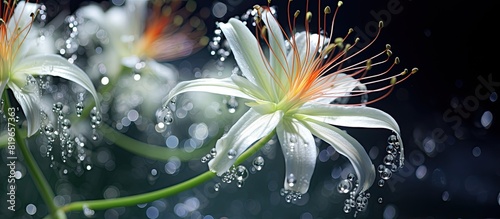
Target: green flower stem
(150, 151)
(39, 179)
(162, 193)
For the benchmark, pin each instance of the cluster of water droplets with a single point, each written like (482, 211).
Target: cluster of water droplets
(73, 151)
(290, 196)
(392, 160)
(236, 174)
(356, 202)
(165, 116)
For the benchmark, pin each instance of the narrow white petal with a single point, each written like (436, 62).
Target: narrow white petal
(342, 86)
(21, 17)
(347, 146)
(360, 116)
(55, 65)
(137, 9)
(299, 149)
(251, 127)
(20, 21)
(304, 49)
(277, 56)
(247, 52)
(250, 88)
(223, 86)
(28, 99)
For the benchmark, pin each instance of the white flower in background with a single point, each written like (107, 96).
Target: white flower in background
(293, 89)
(140, 38)
(21, 58)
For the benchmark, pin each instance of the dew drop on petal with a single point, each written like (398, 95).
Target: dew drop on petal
(392, 139)
(213, 152)
(291, 180)
(231, 154)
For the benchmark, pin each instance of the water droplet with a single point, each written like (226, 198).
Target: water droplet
(231, 154)
(347, 209)
(57, 107)
(205, 159)
(388, 159)
(240, 183)
(49, 130)
(380, 168)
(344, 186)
(87, 211)
(232, 104)
(391, 149)
(380, 200)
(160, 127)
(165, 116)
(88, 167)
(293, 139)
(381, 182)
(351, 177)
(79, 109)
(386, 174)
(291, 180)
(66, 124)
(217, 187)
(241, 173)
(213, 152)
(393, 140)
(258, 163)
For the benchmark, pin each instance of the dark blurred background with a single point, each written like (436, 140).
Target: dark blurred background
(447, 113)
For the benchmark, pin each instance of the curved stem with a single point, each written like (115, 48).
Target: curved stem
(155, 152)
(39, 179)
(162, 193)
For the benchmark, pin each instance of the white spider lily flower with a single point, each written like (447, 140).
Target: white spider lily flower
(19, 61)
(294, 89)
(139, 38)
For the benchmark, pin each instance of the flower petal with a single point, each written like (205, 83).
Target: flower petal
(21, 17)
(223, 86)
(28, 99)
(19, 29)
(342, 87)
(299, 149)
(362, 117)
(304, 49)
(277, 56)
(54, 65)
(137, 9)
(250, 88)
(247, 53)
(249, 128)
(347, 146)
